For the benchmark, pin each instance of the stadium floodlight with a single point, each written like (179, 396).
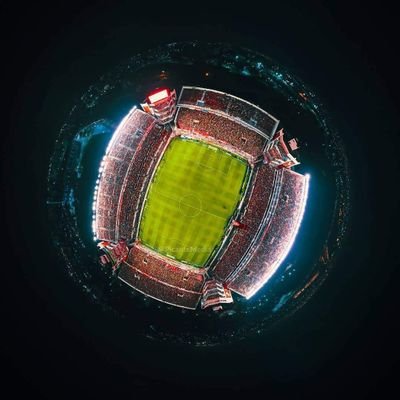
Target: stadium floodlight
(161, 95)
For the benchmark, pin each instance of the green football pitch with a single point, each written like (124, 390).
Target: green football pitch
(194, 192)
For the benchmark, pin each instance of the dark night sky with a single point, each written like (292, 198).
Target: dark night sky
(346, 339)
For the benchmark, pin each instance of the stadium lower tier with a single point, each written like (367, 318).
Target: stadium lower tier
(136, 180)
(221, 128)
(152, 264)
(256, 205)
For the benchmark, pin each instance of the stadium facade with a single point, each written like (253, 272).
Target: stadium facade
(256, 236)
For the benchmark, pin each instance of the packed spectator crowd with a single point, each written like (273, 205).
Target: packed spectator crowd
(221, 128)
(216, 101)
(274, 241)
(130, 198)
(256, 203)
(166, 272)
(153, 287)
(131, 148)
(231, 106)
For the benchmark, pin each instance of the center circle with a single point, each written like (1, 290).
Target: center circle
(190, 205)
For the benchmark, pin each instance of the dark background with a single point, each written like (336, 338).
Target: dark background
(344, 342)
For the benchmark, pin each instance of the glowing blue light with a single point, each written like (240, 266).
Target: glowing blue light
(116, 132)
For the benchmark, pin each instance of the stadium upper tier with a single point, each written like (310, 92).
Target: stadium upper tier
(275, 235)
(231, 106)
(258, 228)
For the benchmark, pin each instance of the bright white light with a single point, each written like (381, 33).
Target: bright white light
(101, 168)
(116, 132)
(296, 228)
(163, 94)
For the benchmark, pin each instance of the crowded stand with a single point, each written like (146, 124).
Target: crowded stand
(232, 106)
(138, 174)
(216, 101)
(251, 216)
(153, 287)
(277, 237)
(115, 166)
(167, 272)
(221, 128)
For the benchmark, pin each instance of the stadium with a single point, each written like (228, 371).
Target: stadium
(196, 198)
